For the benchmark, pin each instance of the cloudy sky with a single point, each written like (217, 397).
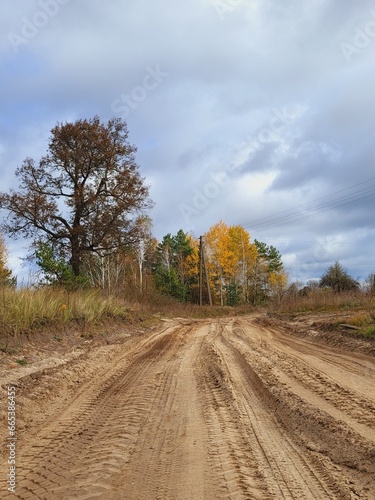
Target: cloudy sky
(256, 112)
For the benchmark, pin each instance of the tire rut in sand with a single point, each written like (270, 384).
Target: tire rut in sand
(237, 472)
(313, 385)
(94, 441)
(202, 410)
(286, 471)
(330, 444)
(168, 461)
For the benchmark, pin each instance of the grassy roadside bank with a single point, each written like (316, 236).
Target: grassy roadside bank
(26, 311)
(353, 312)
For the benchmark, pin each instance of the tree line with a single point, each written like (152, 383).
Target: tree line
(84, 206)
(238, 271)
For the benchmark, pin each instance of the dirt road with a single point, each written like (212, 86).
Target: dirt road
(209, 409)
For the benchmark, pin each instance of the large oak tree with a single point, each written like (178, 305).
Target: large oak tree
(85, 195)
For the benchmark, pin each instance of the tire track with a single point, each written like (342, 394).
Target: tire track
(236, 468)
(356, 410)
(211, 410)
(94, 440)
(329, 442)
(168, 461)
(285, 468)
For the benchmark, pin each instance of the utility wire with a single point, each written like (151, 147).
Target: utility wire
(313, 201)
(322, 207)
(294, 218)
(294, 214)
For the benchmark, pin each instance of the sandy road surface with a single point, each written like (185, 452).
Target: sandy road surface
(211, 409)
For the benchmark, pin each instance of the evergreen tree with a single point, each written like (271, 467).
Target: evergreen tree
(267, 277)
(175, 269)
(56, 270)
(338, 279)
(271, 255)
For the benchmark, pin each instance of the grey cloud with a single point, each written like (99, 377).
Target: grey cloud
(225, 77)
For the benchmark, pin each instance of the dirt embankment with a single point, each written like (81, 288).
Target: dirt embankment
(208, 409)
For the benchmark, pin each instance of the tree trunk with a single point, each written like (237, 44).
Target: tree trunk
(75, 259)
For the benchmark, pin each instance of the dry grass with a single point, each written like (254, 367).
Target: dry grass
(325, 300)
(359, 306)
(361, 320)
(27, 310)
(156, 304)
(364, 322)
(30, 310)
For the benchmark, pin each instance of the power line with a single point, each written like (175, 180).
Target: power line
(291, 241)
(313, 201)
(315, 211)
(295, 215)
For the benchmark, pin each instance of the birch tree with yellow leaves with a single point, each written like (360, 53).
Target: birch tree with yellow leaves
(230, 256)
(239, 271)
